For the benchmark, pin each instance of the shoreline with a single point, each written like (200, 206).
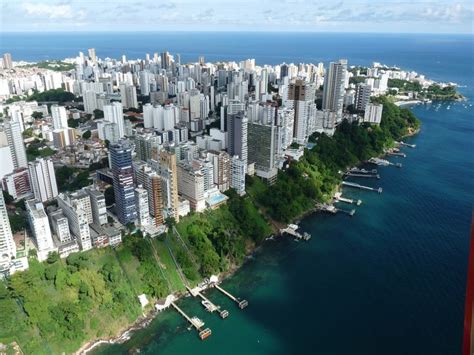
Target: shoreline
(143, 321)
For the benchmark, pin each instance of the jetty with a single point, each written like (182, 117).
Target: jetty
(376, 176)
(291, 229)
(362, 187)
(406, 144)
(331, 209)
(338, 197)
(208, 305)
(195, 322)
(356, 170)
(242, 303)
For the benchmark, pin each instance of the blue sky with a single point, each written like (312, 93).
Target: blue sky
(417, 16)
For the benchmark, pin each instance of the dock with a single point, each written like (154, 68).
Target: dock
(406, 144)
(362, 187)
(208, 305)
(383, 162)
(376, 176)
(242, 303)
(338, 197)
(291, 229)
(195, 322)
(331, 209)
(397, 154)
(362, 171)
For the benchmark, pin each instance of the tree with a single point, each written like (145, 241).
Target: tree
(72, 123)
(7, 197)
(87, 134)
(37, 115)
(52, 257)
(98, 114)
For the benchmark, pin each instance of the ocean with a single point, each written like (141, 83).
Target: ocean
(389, 280)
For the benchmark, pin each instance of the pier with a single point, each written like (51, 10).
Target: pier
(331, 209)
(376, 176)
(210, 307)
(242, 303)
(397, 154)
(406, 144)
(383, 162)
(338, 197)
(362, 187)
(291, 229)
(195, 322)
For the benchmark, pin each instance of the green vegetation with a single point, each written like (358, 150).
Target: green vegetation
(71, 179)
(56, 65)
(38, 149)
(316, 175)
(37, 115)
(433, 92)
(357, 80)
(404, 85)
(54, 95)
(87, 134)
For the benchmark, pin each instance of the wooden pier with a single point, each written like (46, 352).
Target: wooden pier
(210, 307)
(291, 229)
(362, 187)
(195, 322)
(242, 303)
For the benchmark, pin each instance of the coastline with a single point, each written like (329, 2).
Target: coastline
(143, 321)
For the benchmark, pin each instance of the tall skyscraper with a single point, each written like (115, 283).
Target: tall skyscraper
(121, 165)
(143, 211)
(92, 55)
(333, 89)
(15, 142)
(59, 117)
(77, 209)
(169, 172)
(262, 146)
(39, 225)
(43, 179)
(165, 60)
(114, 113)
(301, 98)
(362, 96)
(7, 61)
(7, 244)
(237, 128)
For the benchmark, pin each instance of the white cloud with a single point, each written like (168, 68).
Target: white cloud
(51, 11)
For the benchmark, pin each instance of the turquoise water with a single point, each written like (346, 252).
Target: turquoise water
(391, 279)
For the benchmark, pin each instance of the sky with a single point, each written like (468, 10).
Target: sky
(393, 16)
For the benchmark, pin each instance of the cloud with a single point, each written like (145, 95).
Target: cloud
(57, 11)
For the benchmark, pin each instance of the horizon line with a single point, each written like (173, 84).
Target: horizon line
(30, 32)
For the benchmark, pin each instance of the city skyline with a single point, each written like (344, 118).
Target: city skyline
(438, 16)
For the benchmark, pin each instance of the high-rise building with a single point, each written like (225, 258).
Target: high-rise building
(7, 61)
(78, 211)
(262, 147)
(63, 137)
(373, 113)
(114, 113)
(221, 162)
(60, 225)
(128, 94)
(301, 98)
(43, 179)
(92, 55)
(145, 83)
(15, 142)
(165, 60)
(191, 185)
(7, 244)
(238, 171)
(334, 86)
(17, 183)
(141, 201)
(237, 128)
(59, 117)
(362, 96)
(39, 225)
(98, 206)
(121, 165)
(169, 173)
(90, 101)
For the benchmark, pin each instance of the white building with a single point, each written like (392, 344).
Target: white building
(238, 170)
(141, 201)
(373, 113)
(40, 228)
(43, 179)
(13, 132)
(7, 244)
(334, 86)
(114, 113)
(59, 117)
